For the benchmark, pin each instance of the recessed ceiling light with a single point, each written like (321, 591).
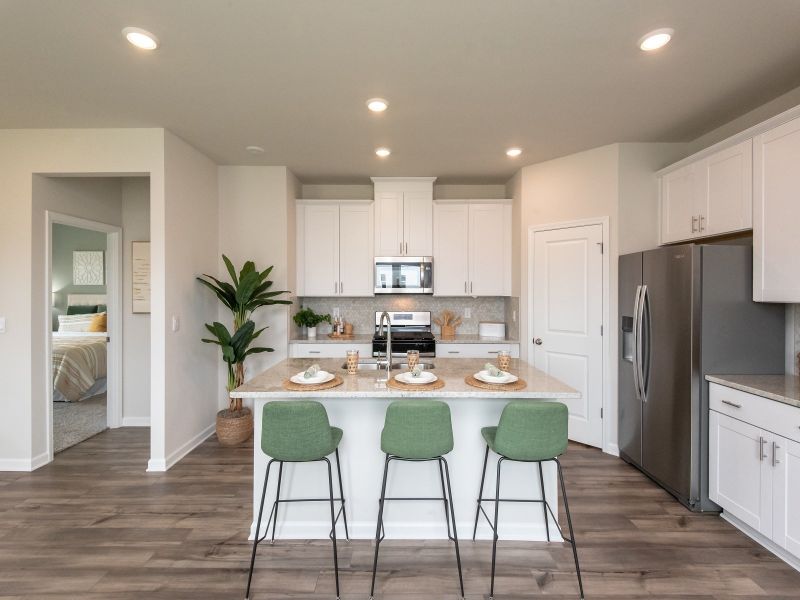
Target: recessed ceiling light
(140, 38)
(377, 104)
(383, 152)
(255, 149)
(656, 39)
(514, 152)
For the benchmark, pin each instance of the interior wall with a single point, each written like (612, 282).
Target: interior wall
(66, 240)
(256, 222)
(366, 191)
(136, 327)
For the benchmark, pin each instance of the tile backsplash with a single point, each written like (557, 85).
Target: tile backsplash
(361, 311)
(796, 309)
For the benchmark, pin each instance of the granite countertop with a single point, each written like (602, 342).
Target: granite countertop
(358, 338)
(781, 388)
(473, 338)
(366, 385)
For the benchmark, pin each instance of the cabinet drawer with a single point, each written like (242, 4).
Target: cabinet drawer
(475, 350)
(764, 413)
(328, 350)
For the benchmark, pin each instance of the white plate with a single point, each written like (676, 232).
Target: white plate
(320, 377)
(424, 377)
(486, 378)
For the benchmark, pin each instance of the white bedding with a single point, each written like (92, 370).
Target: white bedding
(79, 363)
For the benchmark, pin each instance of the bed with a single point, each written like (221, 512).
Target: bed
(79, 357)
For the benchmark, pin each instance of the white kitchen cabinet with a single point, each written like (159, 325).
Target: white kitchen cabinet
(329, 350)
(776, 213)
(334, 248)
(472, 248)
(710, 196)
(482, 350)
(403, 216)
(786, 501)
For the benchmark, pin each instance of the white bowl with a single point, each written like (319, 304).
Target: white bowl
(320, 377)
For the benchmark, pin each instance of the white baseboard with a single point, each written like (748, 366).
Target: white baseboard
(612, 449)
(24, 464)
(136, 421)
(790, 559)
(164, 464)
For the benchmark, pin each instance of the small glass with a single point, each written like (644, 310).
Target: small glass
(412, 358)
(352, 362)
(504, 360)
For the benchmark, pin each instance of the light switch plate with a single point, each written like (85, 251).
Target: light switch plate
(176, 323)
(467, 313)
(2, 324)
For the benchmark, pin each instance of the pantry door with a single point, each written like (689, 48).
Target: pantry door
(566, 337)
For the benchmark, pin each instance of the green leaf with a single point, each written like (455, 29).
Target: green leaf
(231, 270)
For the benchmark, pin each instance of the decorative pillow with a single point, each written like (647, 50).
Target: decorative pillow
(101, 308)
(99, 323)
(81, 309)
(75, 323)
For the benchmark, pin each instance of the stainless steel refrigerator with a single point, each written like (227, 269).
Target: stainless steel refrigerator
(685, 312)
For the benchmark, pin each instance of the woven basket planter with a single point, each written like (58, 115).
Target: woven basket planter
(448, 332)
(234, 427)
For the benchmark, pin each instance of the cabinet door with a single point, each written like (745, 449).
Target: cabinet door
(726, 203)
(679, 218)
(389, 224)
(739, 477)
(489, 351)
(320, 250)
(356, 263)
(786, 503)
(418, 223)
(451, 250)
(489, 250)
(776, 212)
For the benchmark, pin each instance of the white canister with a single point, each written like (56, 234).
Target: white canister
(492, 329)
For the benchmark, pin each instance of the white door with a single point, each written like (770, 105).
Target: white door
(567, 319)
(389, 224)
(451, 250)
(320, 262)
(356, 264)
(490, 250)
(738, 479)
(679, 218)
(418, 223)
(786, 503)
(727, 201)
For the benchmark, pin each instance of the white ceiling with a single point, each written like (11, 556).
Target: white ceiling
(465, 78)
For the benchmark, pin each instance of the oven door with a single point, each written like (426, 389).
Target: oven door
(404, 275)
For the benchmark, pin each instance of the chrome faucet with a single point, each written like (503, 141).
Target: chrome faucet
(386, 316)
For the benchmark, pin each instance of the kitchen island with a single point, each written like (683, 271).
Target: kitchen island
(358, 406)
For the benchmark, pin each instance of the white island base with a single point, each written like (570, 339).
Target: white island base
(361, 417)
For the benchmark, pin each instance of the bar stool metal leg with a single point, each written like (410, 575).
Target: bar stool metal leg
(569, 525)
(453, 517)
(444, 500)
(496, 524)
(277, 501)
(341, 495)
(544, 501)
(379, 526)
(258, 526)
(480, 492)
(333, 527)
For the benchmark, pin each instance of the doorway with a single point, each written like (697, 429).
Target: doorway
(568, 315)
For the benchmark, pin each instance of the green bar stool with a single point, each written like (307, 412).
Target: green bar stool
(534, 432)
(298, 431)
(418, 431)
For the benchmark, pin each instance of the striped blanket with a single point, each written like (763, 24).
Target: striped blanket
(77, 363)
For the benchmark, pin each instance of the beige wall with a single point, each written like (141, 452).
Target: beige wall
(365, 191)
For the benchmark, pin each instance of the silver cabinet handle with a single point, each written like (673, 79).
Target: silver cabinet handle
(465, 287)
(733, 404)
(470, 287)
(694, 224)
(401, 248)
(761, 442)
(341, 287)
(494, 351)
(313, 351)
(335, 287)
(702, 223)
(775, 449)
(454, 352)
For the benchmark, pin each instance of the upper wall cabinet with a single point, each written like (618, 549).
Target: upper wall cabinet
(403, 216)
(776, 214)
(334, 248)
(708, 197)
(472, 248)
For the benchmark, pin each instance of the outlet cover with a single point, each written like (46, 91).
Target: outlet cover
(467, 313)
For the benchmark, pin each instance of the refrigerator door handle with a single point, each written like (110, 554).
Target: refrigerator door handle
(644, 306)
(636, 341)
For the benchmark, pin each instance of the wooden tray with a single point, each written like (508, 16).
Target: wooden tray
(519, 384)
(300, 387)
(341, 336)
(415, 387)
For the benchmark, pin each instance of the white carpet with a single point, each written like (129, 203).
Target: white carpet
(74, 422)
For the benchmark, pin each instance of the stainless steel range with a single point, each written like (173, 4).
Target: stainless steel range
(410, 331)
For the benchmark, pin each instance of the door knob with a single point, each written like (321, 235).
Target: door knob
(537, 341)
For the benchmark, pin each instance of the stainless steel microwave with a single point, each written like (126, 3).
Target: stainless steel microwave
(403, 274)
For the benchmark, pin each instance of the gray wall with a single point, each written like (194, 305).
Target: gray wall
(67, 239)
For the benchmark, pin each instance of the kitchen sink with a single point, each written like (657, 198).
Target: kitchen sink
(376, 365)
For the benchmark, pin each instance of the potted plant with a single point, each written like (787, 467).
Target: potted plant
(248, 290)
(306, 317)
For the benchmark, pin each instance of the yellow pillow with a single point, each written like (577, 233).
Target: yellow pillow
(99, 323)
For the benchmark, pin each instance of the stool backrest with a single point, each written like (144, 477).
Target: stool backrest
(295, 430)
(417, 429)
(531, 430)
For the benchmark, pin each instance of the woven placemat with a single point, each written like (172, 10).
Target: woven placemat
(301, 387)
(415, 387)
(519, 384)
(341, 336)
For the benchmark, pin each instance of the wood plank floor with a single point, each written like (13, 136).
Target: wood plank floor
(94, 525)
